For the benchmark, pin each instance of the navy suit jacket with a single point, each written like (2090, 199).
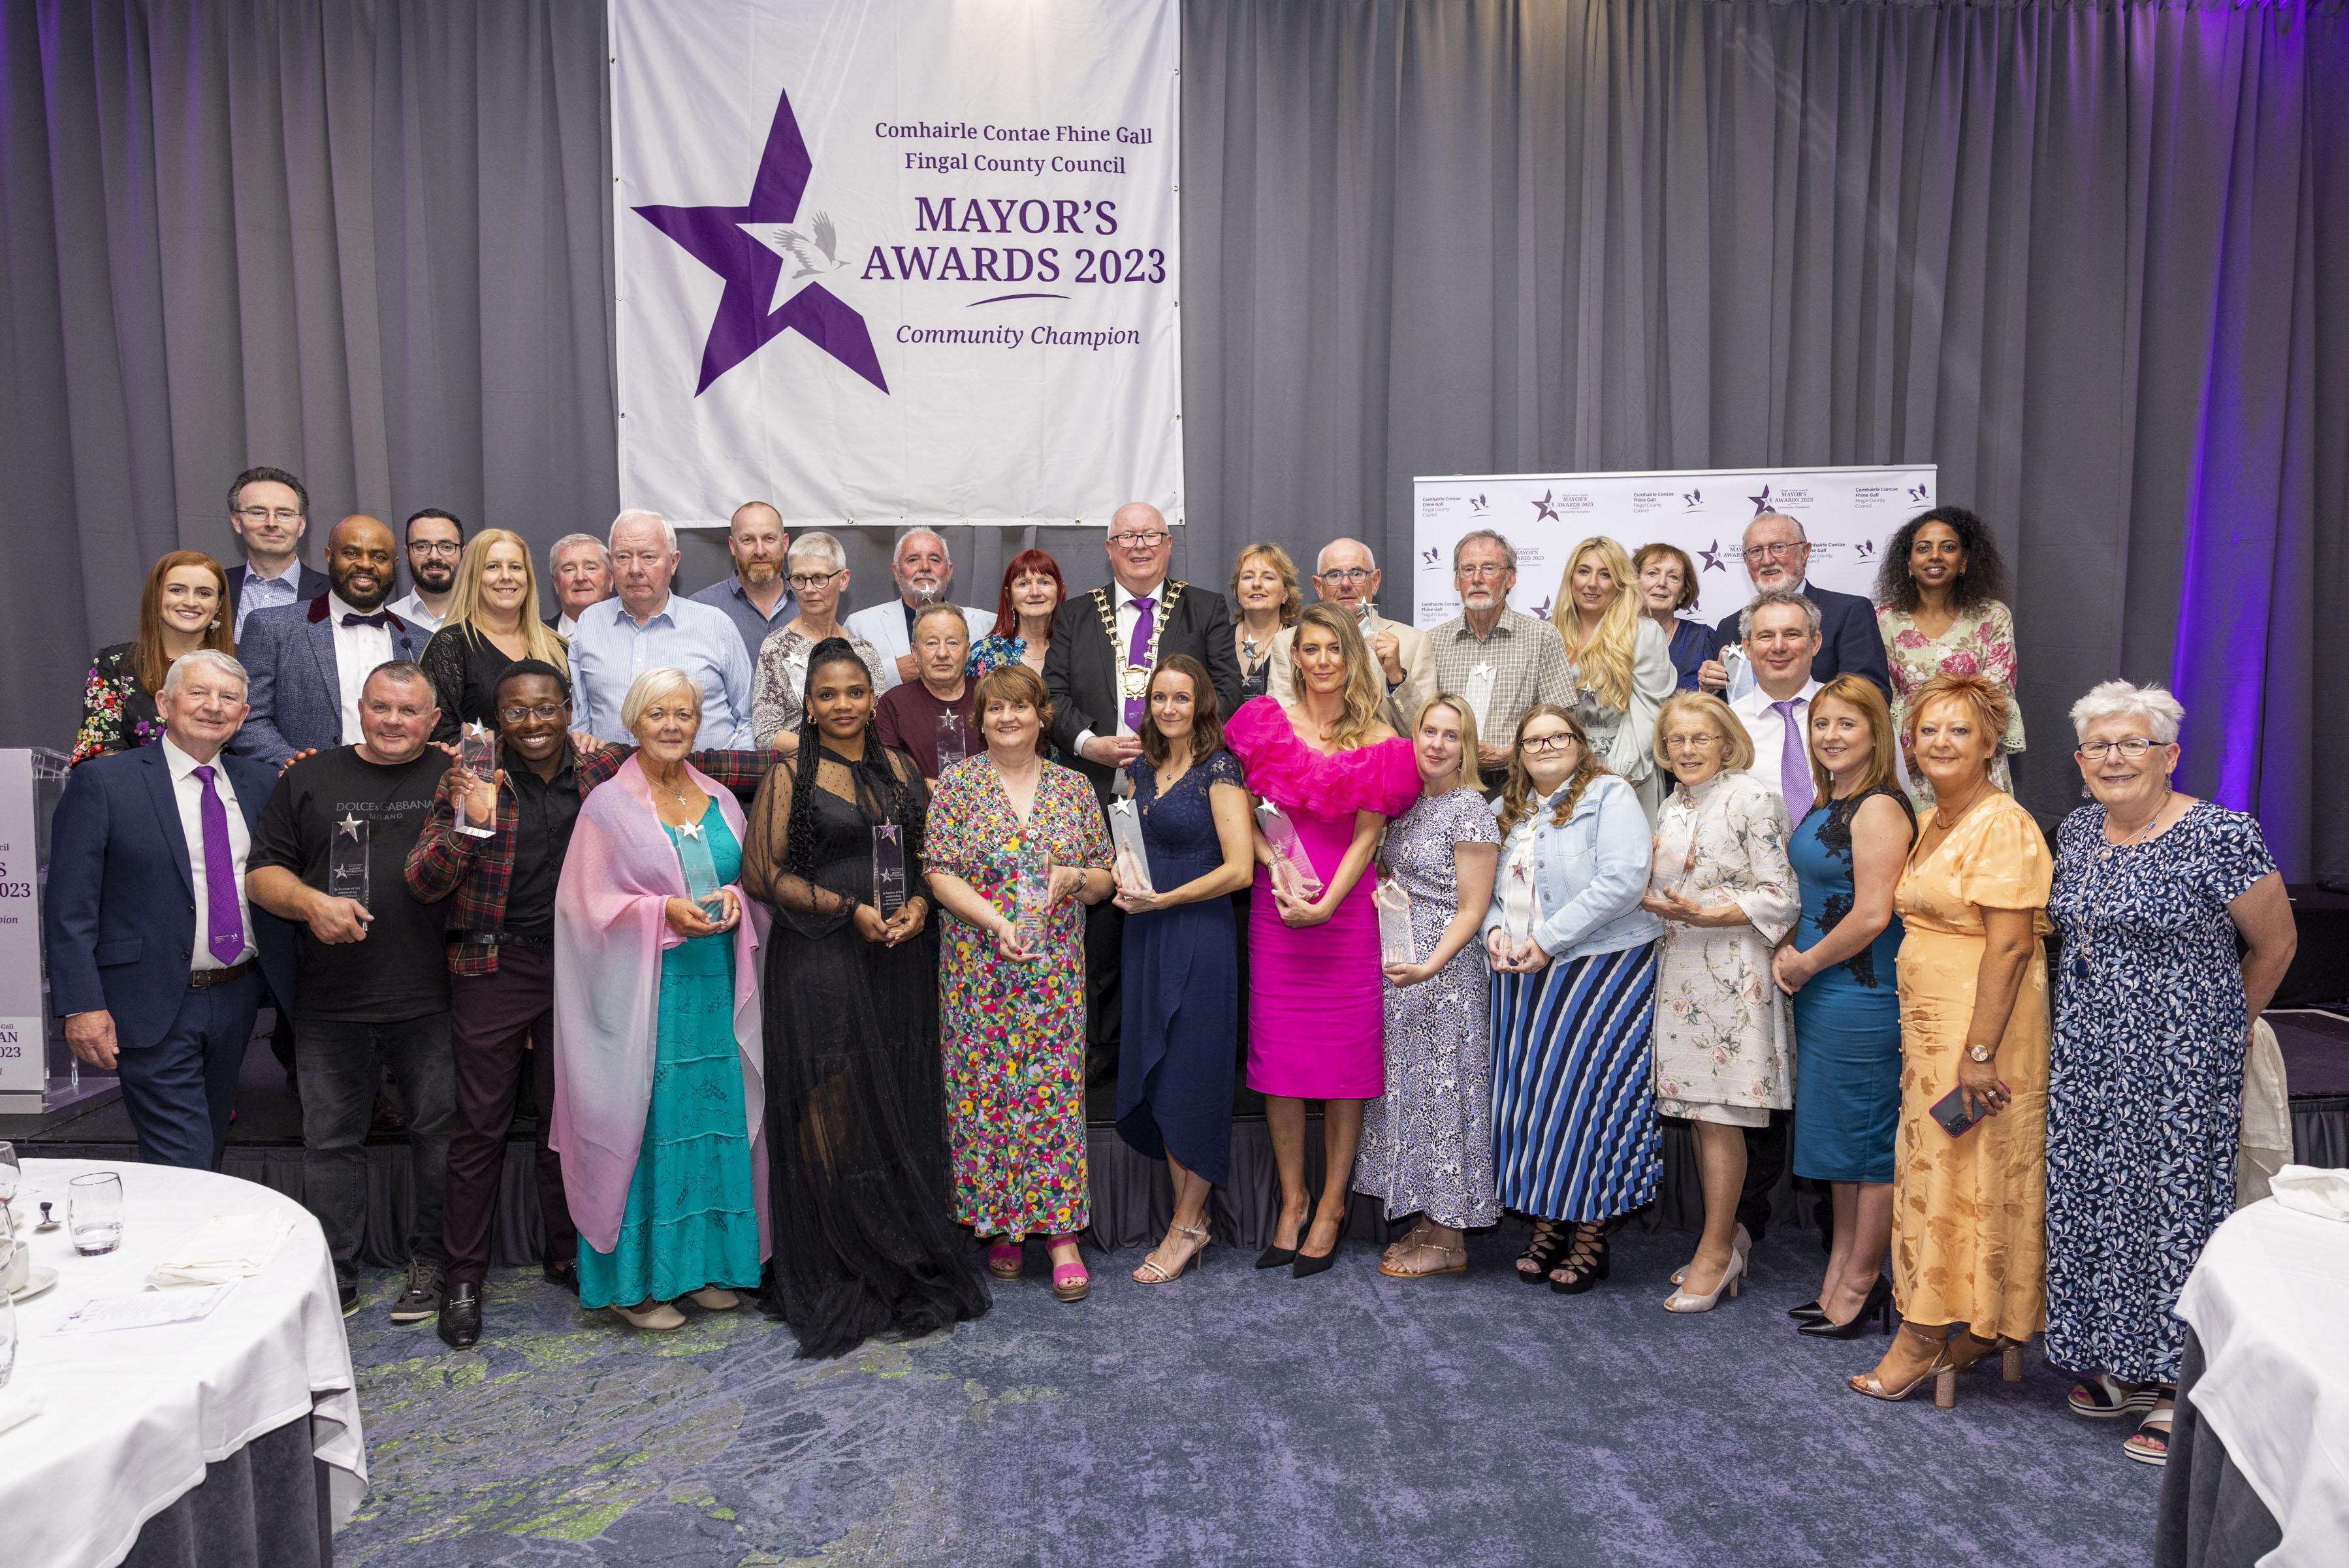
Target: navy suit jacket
(1849, 642)
(121, 905)
(293, 687)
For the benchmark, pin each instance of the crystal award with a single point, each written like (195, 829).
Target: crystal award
(1517, 906)
(346, 858)
(477, 753)
(1742, 678)
(1289, 848)
(1396, 944)
(1032, 900)
(1132, 857)
(1480, 696)
(700, 871)
(953, 743)
(888, 869)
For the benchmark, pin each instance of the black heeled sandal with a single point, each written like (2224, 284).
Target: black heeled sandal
(1586, 1261)
(1875, 1314)
(1551, 1238)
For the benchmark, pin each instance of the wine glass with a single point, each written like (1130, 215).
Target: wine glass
(11, 1173)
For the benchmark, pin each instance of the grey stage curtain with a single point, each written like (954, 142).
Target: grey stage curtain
(2092, 259)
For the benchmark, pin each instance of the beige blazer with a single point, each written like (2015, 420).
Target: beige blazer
(1402, 704)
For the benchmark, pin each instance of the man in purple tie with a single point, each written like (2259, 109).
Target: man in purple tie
(1781, 632)
(152, 946)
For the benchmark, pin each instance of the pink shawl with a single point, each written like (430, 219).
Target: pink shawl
(610, 931)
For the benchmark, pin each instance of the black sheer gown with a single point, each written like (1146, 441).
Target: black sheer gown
(865, 1241)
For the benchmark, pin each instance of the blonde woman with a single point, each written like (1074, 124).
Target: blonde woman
(1264, 599)
(1337, 772)
(492, 621)
(1619, 664)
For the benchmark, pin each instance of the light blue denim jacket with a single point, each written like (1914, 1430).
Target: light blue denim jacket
(1588, 875)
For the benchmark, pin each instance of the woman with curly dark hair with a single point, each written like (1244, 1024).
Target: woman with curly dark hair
(1940, 604)
(863, 1241)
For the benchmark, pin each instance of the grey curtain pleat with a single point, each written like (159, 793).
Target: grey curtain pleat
(2091, 259)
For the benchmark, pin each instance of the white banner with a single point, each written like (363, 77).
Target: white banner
(897, 261)
(1847, 514)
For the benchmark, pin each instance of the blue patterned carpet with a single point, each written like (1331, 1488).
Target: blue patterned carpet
(1231, 1418)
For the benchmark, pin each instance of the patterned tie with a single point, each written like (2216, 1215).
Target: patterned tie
(227, 922)
(1793, 763)
(1137, 656)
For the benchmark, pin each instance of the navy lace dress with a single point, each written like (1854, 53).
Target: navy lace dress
(1847, 1016)
(1181, 990)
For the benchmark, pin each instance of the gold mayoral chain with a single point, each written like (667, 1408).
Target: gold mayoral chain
(1135, 681)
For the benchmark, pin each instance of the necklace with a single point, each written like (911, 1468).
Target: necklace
(2140, 836)
(2087, 959)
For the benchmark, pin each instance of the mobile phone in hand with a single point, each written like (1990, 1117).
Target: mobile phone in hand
(1950, 1111)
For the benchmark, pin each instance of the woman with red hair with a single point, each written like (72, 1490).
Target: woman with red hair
(1032, 590)
(181, 611)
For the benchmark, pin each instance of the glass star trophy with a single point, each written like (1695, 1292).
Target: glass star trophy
(1032, 899)
(1133, 857)
(477, 753)
(1396, 944)
(700, 868)
(1289, 850)
(1742, 678)
(1517, 906)
(347, 860)
(888, 869)
(1481, 680)
(954, 743)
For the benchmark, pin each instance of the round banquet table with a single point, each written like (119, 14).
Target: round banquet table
(259, 1392)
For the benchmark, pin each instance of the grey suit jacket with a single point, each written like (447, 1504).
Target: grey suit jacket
(294, 688)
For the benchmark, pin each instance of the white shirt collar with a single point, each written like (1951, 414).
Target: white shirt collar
(339, 607)
(181, 764)
(1156, 595)
(1762, 701)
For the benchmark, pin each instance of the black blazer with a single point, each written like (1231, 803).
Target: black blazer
(1082, 666)
(312, 584)
(1849, 642)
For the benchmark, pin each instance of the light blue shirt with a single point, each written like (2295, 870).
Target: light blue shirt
(609, 650)
(266, 593)
(727, 595)
(1589, 872)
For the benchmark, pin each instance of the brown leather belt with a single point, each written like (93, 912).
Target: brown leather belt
(205, 979)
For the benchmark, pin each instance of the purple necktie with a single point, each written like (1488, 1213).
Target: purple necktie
(226, 920)
(1137, 657)
(1793, 764)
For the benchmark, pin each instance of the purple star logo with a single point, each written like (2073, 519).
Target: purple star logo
(1711, 553)
(716, 238)
(1761, 502)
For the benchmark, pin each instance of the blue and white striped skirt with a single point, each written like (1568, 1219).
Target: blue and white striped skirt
(1574, 1110)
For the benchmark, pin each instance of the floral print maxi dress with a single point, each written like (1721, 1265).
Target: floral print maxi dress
(1013, 1033)
(1724, 1047)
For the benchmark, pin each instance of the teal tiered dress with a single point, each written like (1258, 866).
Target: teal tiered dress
(690, 1219)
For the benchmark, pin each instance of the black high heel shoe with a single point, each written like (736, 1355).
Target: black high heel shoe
(1585, 1259)
(1809, 1312)
(1307, 1264)
(1877, 1307)
(1279, 1257)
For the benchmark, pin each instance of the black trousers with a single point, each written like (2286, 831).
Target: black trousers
(342, 1063)
(1104, 947)
(494, 1020)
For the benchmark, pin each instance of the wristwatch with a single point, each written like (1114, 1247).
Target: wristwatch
(1980, 1052)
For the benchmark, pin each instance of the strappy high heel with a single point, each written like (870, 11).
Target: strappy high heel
(1070, 1283)
(1969, 1350)
(1551, 1238)
(1586, 1261)
(1938, 1372)
(1152, 1274)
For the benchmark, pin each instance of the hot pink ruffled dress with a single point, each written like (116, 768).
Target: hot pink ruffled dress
(1315, 1007)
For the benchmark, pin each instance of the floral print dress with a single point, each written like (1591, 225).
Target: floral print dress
(1013, 1033)
(1724, 1045)
(1980, 641)
(117, 713)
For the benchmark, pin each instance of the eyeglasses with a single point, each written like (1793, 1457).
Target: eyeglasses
(806, 580)
(1556, 743)
(1484, 569)
(1782, 549)
(1149, 539)
(1350, 574)
(1689, 742)
(263, 515)
(449, 547)
(2131, 747)
(543, 711)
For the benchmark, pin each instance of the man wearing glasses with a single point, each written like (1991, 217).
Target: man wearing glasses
(268, 509)
(436, 539)
(1777, 555)
(1501, 661)
(1347, 575)
(923, 570)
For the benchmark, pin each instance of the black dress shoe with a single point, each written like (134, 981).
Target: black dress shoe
(350, 1299)
(461, 1316)
(561, 1272)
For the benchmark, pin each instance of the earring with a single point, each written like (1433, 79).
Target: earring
(215, 625)
(2086, 792)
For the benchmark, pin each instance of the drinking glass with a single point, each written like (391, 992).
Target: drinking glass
(10, 1172)
(94, 1212)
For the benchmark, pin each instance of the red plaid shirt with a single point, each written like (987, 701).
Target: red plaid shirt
(480, 871)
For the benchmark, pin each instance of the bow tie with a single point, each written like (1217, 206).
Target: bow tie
(353, 618)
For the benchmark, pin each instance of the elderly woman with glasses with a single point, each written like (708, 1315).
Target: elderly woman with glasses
(818, 573)
(2154, 1011)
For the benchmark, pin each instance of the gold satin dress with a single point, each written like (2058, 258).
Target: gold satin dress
(1969, 1213)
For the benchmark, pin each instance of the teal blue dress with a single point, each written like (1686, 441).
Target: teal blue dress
(1847, 1016)
(690, 1219)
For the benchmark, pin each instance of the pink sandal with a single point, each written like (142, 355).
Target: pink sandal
(1070, 1280)
(1003, 1259)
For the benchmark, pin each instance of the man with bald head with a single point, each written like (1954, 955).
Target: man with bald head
(308, 661)
(756, 599)
(1347, 575)
(923, 569)
(1104, 645)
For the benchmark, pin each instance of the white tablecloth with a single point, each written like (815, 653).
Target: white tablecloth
(2269, 1302)
(133, 1417)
